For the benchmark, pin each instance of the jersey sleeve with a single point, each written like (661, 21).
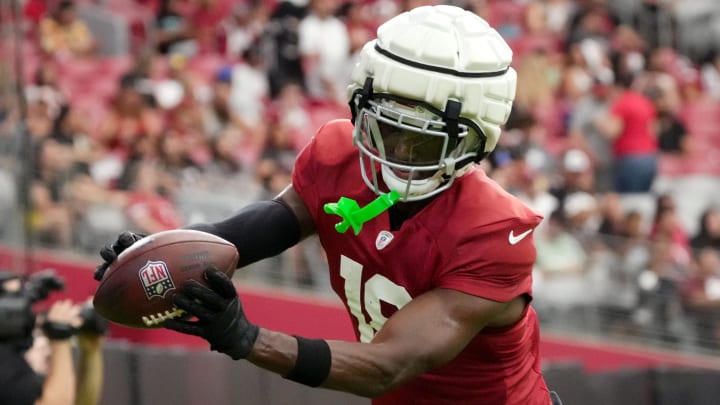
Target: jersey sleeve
(495, 264)
(303, 174)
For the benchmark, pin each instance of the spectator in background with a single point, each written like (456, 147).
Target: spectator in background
(51, 214)
(226, 161)
(281, 48)
(583, 216)
(633, 248)
(274, 170)
(672, 133)
(245, 26)
(38, 366)
(289, 113)
(324, 61)
(659, 79)
(701, 298)
(173, 31)
(206, 20)
(659, 299)
(538, 80)
(708, 234)
(666, 226)
(559, 274)
(70, 129)
(613, 217)
(217, 115)
(45, 88)
(630, 125)
(577, 78)
(64, 35)
(591, 19)
(550, 16)
(147, 208)
(87, 371)
(359, 22)
(22, 385)
(250, 90)
(585, 136)
(655, 23)
(710, 74)
(130, 118)
(575, 176)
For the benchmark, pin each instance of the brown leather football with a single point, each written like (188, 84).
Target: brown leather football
(137, 288)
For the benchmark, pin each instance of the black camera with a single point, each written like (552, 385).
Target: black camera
(17, 318)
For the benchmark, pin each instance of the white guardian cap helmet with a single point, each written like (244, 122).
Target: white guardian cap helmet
(428, 97)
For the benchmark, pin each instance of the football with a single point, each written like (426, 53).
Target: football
(137, 288)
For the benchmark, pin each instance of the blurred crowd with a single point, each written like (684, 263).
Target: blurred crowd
(204, 104)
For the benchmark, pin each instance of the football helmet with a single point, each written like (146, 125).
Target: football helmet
(428, 97)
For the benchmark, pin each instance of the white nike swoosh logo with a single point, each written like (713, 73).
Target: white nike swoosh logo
(515, 239)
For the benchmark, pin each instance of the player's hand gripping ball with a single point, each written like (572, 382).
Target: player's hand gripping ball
(138, 287)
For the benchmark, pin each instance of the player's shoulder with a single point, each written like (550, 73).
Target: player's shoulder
(491, 205)
(333, 142)
(336, 129)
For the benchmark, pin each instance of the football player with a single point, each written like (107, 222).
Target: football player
(432, 259)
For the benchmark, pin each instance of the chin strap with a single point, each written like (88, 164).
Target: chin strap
(354, 216)
(365, 94)
(451, 116)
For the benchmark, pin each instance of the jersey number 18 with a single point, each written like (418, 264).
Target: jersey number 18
(377, 288)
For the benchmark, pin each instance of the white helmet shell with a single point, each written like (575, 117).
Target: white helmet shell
(438, 53)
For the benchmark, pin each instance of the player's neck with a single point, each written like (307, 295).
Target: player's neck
(403, 211)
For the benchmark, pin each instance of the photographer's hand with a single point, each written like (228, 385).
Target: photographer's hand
(62, 321)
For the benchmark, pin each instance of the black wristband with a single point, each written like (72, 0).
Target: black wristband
(58, 330)
(313, 362)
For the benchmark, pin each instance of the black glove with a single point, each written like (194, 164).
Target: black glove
(220, 317)
(93, 323)
(111, 251)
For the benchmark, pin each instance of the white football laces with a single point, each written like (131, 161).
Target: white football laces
(160, 317)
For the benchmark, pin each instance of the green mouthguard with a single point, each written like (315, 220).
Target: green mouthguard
(354, 216)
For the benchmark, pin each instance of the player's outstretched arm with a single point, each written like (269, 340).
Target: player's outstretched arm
(266, 228)
(259, 230)
(427, 333)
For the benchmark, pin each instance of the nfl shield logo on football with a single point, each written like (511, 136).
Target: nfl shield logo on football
(383, 239)
(155, 278)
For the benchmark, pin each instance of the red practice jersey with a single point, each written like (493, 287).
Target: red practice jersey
(473, 237)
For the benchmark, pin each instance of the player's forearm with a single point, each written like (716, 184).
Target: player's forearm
(59, 387)
(363, 369)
